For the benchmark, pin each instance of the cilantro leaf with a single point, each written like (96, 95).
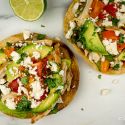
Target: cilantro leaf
(122, 38)
(24, 104)
(8, 44)
(54, 110)
(99, 76)
(110, 1)
(115, 21)
(22, 56)
(41, 36)
(116, 67)
(25, 80)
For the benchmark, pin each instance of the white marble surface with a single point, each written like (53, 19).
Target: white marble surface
(98, 110)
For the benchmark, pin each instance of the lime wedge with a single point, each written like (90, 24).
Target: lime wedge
(29, 10)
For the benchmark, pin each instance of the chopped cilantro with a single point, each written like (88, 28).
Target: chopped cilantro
(22, 56)
(8, 44)
(25, 80)
(52, 82)
(24, 104)
(116, 67)
(115, 21)
(1, 50)
(110, 1)
(123, 2)
(54, 110)
(41, 36)
(109, 58)
(122, 38)
(99, 76)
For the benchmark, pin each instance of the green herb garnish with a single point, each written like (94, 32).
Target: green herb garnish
(123, 2)
(54, 110)
(41, 36)
(22, 56)
(115, 21)
(109, 58)
(25, 80)
(8, 44)
(122, 38)
(110, 1)
(24, 104)
(116, 67)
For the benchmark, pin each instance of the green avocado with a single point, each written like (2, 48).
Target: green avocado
(15, 113)
(92, 40)
(47, 103)
(3, 57)
(121, 57)
(44, 50)
(12, 68)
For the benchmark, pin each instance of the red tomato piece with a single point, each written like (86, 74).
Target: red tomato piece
(111, 9)
(14, 85)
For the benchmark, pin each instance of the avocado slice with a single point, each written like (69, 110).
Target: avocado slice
(92, 40)
(15, 113)
(47, 103)
(3, 57)
(11, 71)
(44, 50)
(121, 57)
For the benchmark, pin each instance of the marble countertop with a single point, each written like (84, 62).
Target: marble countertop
(88, 107)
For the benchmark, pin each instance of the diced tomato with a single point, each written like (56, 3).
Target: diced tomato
(14, 85)
(109, 34)
(121, 47)
(43, 96)
(34, 60)
(41, 67)
(8, 51)
(111, 9)
(97, 7)
(21, 68)
(104, 66)
(101, 16)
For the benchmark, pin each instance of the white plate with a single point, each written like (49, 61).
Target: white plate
(98, 109)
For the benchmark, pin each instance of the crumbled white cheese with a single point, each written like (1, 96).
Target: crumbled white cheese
(22, 89)
(122, 9)
(112, 64)
(37, 91)
(106, 2)
(4, 90)
(15, 56)
(2, 81)
(103, 58)
(33, 71)
(61, 73)
(34, 103)
(117, 33)
(53, 66)
(10, 103)
(26, 34)
(27, 61)
(11, 71)
(72, 25)
(111, 47)
(36, 55)
(106, 22)
(93, 56)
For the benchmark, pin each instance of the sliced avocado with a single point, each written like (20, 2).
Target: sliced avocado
(44, 50)
(47, 103)
(11, 71)
(3, 57)
(14, 113)
(92, 40)
(121, 57)
(68, 62)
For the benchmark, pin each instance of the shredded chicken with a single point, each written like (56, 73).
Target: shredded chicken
(57, 54)
(69, 79)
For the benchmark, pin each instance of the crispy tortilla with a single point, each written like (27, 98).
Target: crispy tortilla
(67, 97)
(79, 20)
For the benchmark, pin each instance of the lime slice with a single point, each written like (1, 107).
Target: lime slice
(29, 10)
